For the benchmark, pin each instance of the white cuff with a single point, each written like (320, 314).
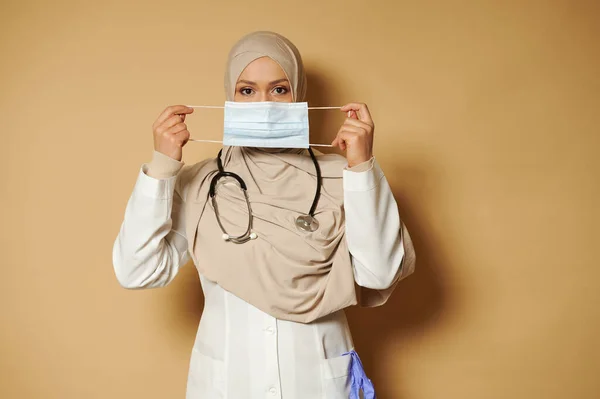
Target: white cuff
(161, 189)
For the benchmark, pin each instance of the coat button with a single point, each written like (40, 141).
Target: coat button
(273, 391)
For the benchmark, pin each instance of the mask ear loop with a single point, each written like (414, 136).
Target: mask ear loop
(220, 142)
(222, 107)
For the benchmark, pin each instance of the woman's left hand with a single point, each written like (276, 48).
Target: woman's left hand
(356, 134)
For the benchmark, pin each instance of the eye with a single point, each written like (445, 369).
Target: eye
(246, 91)
(280, 90)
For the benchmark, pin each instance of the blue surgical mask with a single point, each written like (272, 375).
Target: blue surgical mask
(266, 124)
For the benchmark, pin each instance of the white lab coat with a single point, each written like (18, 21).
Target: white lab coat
(240, 351)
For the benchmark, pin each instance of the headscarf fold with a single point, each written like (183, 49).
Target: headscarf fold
(287, 273)
(266, 44)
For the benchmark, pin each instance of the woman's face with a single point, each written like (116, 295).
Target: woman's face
(263, 80)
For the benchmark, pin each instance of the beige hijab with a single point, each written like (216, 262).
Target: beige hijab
(266, 44)
(287, 273)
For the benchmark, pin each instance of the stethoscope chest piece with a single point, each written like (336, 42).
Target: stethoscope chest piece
(307, 223)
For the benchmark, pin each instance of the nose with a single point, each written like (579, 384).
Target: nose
(264, 96)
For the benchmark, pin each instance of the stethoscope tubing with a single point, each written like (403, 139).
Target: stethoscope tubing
(247, 234)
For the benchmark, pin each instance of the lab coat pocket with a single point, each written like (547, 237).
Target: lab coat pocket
(206, 378)
(336, 377)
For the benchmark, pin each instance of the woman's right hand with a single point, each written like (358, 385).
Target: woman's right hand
(170, 132)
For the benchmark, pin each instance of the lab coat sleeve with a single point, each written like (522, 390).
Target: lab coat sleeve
(373, 226)
(151, 244)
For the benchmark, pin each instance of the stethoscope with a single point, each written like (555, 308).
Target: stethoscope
(306, 223)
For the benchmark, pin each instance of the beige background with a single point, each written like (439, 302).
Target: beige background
(487, 122)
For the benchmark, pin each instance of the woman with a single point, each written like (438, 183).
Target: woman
(273, 323)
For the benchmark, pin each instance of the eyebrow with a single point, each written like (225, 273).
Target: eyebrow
(249, 82)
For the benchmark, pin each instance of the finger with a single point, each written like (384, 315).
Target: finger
(347, 135)
(345, 138)
(183, 137)
(335, 142)
(180, 138)
(357, 123)
(172, 110)
(362, 111)
(352, 114)
(172, 121)
(173, 130)
(361, 131)
(338, 142)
